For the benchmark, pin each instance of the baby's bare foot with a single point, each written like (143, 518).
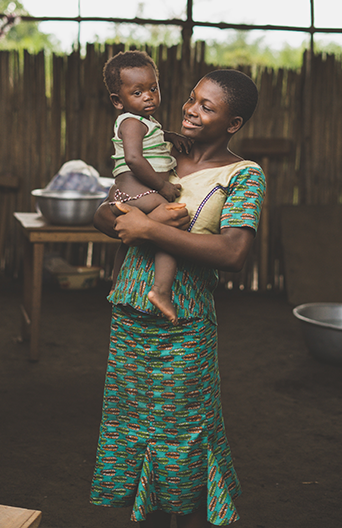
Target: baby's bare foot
(163, 302)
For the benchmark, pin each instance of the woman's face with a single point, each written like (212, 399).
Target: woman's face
(206, 114)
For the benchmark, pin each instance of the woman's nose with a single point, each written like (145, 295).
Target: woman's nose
(190, 108)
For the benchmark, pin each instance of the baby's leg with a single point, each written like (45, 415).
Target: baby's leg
(127, 184)
(165, 264)
(160, 294)
(131, 187)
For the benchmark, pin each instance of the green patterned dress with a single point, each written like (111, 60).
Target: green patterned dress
(162, 442)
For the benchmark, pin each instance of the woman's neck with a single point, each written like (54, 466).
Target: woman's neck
(211, 153)
(204, 157)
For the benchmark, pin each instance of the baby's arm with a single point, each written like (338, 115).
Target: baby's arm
(132, 133)
(181, 143)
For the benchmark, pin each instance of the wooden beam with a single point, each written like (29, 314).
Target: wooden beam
(9, 182)
(269, 147)
(182, 23)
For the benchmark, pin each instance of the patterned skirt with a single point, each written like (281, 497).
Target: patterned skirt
(162, 443)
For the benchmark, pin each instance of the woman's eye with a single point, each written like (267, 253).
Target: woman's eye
(206, 109)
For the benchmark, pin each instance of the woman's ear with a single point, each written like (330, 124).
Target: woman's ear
(116, 101)
(235, 124)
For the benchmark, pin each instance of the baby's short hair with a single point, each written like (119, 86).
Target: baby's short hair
(122, 60)
(241, 92)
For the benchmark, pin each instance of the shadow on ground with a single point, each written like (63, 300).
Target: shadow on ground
(282, 411)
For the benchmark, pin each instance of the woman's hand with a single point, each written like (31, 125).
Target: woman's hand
(134, 227)
(172, 214)
(131, 227)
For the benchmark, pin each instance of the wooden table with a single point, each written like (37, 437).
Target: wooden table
(19, 517)
(37, 232)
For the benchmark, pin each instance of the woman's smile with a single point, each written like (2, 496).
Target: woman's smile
(189, 124)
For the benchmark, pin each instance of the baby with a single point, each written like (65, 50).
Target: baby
(142, 157)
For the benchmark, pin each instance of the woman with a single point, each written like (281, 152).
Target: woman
(162, 446)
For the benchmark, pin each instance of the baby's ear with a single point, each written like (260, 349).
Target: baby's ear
(235, 124)
(116, 102)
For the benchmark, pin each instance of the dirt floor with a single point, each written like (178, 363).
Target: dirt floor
(282, 411)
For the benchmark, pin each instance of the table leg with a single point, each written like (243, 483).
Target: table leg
(33, 271)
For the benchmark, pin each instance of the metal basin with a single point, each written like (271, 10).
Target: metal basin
(321, 325)
(67, 207)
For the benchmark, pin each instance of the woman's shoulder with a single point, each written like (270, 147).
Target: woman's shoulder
(247, 170)
(227, 165)
(239, 165)
(225, 173)
(221, 173)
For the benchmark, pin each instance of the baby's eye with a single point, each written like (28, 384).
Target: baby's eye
(153, 89)
(137, 92)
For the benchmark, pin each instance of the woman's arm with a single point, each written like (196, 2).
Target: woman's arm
(104, 219)
(174, 214)
(226, 251)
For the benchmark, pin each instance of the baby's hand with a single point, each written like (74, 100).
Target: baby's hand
(170, 191)
(181, 143)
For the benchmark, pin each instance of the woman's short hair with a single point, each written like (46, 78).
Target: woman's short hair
(122, 60)
(240, 91)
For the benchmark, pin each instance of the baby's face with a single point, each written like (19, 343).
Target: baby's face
(139, 92)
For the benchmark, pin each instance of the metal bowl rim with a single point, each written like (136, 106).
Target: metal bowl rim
(301, 317)
(68, 195)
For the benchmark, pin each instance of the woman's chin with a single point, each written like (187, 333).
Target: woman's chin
(189, 132)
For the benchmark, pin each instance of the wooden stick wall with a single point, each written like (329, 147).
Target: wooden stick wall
(57, 108)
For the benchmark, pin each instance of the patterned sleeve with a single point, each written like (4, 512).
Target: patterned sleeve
(246, 192)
